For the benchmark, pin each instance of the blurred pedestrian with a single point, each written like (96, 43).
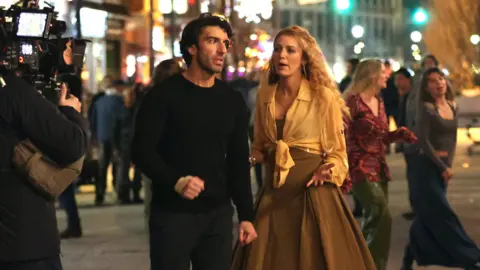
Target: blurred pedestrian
(368, 133)
(436, 235)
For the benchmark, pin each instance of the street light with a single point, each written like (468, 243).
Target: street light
(420, 16)
(357, 31)
(475, 39)
(416, 36)
(357, 49)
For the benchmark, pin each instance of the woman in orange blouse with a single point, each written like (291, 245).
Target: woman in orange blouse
(367, 135)
(302, 219)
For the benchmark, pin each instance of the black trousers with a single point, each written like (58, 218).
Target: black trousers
(106, 152)
(410, 159)
(69, 203)
(53, 263)
(124, 185)
(202, 239)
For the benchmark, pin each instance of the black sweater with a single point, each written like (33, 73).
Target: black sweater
(182, 129)
(28, 225)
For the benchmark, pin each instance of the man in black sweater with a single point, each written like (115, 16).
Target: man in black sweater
(191, 140)
(29, 238)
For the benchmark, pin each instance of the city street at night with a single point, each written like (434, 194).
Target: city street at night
(98, 98)
(115, 239)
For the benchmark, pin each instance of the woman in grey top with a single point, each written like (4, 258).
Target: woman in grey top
(436, 235)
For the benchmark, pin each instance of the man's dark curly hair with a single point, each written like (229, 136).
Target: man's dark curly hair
(191, 32)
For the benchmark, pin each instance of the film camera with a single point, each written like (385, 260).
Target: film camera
(31, 45)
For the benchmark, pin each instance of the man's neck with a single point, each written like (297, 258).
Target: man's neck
(199, 77)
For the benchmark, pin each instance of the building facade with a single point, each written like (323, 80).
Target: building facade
(378, 28)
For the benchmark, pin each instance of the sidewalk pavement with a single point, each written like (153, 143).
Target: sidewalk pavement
(115, 238)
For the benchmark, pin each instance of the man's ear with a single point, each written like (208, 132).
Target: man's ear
(192, 50)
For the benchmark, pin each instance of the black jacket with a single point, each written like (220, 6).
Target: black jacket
(28, 225)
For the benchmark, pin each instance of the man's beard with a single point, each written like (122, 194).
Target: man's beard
(204, 66)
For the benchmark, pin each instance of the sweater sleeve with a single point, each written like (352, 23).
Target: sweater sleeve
(238, 165)
(149, 128)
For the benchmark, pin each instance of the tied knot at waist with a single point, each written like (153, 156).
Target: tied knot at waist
(283, 162)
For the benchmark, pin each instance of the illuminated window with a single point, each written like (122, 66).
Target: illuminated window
(180, 6)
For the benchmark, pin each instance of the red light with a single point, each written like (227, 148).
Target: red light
(20, 59)
(191, 2)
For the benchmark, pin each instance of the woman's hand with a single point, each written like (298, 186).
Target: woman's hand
(256, 157)
(407, 135)
(412, 139)
(323, 173)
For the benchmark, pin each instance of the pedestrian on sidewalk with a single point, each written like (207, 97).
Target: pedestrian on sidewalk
(107, 113)
(404, 84)
(436, 235)
(67, 198)
(191, 140)
(302, 218)
(411, 107)
(367, 137)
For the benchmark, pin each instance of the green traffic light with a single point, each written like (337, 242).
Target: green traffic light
(343, 5)
(420, 16)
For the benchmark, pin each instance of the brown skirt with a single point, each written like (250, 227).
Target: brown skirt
(303, 228)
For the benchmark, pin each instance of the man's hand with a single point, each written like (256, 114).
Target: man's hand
(70, 101)
(447, 175)
(193, 186)
(246, 233)
(67, 53)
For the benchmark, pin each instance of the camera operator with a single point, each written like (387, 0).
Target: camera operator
(29, 238)
(67, 199)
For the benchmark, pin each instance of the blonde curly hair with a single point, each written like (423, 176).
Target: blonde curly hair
(318, 74)
(316, 69)
(365, 76)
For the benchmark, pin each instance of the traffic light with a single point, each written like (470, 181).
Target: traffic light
(343, 5)
(420, 16)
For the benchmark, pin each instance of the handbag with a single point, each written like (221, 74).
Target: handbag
(44, 174)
